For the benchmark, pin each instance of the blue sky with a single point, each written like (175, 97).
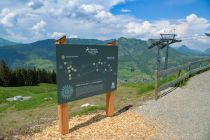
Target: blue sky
(164, 9)
(32, 20)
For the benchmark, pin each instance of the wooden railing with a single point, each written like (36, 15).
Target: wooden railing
(188, 69)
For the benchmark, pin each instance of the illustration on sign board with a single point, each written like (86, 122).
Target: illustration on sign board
(66, 92)
(85, 70)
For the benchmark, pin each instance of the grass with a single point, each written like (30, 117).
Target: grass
(145, 88)
(135, 76)
(148, 87)
(142, 88)
(45, 95)
(20, 115)
(39, 95)
(88, 110)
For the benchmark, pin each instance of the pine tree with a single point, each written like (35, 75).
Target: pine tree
(53, 77)
(24, 77)
(20, 79)
(14, 80)
(34, 77)
(4, 74)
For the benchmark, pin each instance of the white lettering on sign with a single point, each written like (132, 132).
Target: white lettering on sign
(92, 51)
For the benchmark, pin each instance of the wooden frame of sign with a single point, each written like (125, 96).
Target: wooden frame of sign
(63, 117)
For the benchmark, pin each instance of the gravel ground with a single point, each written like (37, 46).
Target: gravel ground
(185, 112)
(126, 126)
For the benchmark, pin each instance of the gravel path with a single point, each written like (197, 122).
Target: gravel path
(184, 114)
(125, 126)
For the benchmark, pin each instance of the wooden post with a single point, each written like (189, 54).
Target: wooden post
(110, 95)
(209, 64)
(110, 104)
(156, 84)
(63, 118)
(157, 74)
(180, 71)
(166, 58)
(189, 69)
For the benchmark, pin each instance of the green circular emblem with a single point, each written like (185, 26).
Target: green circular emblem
(67, 92)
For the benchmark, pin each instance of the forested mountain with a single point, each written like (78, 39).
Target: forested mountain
(136, 61)
(4, 42)
(185, 50)
(207, 51)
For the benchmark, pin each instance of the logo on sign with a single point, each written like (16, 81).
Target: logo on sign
(113, 85)
(92, 51)
(66, 92)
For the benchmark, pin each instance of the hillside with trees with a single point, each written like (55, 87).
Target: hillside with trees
(24, 76)
(136, 61)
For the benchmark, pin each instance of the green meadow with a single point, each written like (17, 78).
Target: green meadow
(41, 108)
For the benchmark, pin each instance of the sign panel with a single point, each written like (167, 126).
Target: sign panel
(85, 70)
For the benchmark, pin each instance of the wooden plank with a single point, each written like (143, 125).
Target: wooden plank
(199, 61)
(181, 78)
(182, 67)
(63, 117)
(173, 70)
(62, 40)
(110, 95)
(187, 66)
(198, 69)
(172, 83)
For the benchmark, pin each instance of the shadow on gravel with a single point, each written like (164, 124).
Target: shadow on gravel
(167, 92)
(98, 118)
(94, 119)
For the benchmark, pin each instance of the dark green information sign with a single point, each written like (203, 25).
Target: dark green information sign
(85, 70)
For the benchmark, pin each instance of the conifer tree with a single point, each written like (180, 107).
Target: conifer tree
(4, 74)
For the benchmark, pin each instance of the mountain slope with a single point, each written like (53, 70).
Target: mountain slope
(4, 42)
(185, 50)
(136, 61)
(207, 51)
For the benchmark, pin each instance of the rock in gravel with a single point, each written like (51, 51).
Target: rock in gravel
(1, 137)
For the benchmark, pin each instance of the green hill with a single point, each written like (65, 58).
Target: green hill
(4, 42)
(188, 51)
(207, 51)
(136, 61)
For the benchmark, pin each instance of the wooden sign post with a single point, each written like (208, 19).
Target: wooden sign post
(67, 91)
(110, 95)
(63, 118)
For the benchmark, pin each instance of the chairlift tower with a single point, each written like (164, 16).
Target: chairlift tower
(164, 41)
(167, 38)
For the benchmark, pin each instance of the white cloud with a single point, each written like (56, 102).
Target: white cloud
(5, 11)
(115, 2)
(73, 36)
(35, 4)
(91, 9)
(39, 26)
(191, 25)
(185, 28)
(125, 10)
(8, 18)
(57, 35)
(139, 27)
(90, 19)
